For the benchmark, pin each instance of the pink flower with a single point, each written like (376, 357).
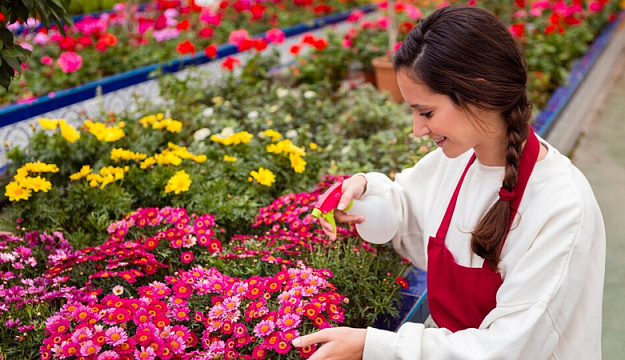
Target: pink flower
(186, 257)
(595, 6)
(108, 355)
(289, 321)
(264, 328)
(69, 62)
(89, 348)
(275, 36)
(146, 353)
(238, 36)
(208, 17)
(355, 15)
(413, 12)
(46, 60)
(41, 39)
(115, 336)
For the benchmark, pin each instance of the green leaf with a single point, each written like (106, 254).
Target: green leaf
(6, 36)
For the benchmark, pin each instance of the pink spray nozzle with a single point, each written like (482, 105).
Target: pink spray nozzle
(329, 200)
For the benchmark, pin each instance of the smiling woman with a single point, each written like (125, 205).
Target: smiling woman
(494, 279)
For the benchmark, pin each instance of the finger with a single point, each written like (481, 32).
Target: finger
(327, 228)
(345, 217)
(320, 336)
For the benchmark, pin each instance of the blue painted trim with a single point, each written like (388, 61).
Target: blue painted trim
(419, 306)
(545, 120)
(18, 112)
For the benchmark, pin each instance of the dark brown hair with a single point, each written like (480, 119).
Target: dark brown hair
(467, 54)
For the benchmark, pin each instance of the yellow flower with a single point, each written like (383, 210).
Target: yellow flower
(167, 158)
(68, 132)
(242, 137)
(263, 176)
(159, 122)
(48, 124)
(38, 167)
(178, 183)
(272, 134)
(200, 159)
(84, 171)
(148, 162)
(36, 184)
(312, 146)
(121, 154)
(15, 192)
(104, 133)
(230, 158)
(297, 163)
(286, 147)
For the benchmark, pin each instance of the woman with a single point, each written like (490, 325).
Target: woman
(502, 283)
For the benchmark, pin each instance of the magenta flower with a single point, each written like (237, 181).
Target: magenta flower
(69, 62)
(108, 355)
(145, 353)
(275, 36)
(289, 321)
(186, 257)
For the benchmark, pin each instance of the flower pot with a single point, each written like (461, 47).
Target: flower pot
(386, 78)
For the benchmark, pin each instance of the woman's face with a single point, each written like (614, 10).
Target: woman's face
(436, 116)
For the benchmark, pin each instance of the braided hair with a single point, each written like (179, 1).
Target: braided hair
(467, 54)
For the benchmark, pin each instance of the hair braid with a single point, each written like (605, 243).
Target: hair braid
(491, 231)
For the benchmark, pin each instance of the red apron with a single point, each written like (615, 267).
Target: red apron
(460, 297)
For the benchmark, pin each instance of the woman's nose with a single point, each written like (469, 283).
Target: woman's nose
(419, 129)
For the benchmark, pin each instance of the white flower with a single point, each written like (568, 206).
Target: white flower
(291, 134)
(309, 94)
(208, 112)
(118, 290)
(346, 149)
(288, 118)
(228, 131)
(205, 3)
(281, 92)
(252, 115)
(201, 134)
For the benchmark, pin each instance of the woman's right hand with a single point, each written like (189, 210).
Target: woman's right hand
(352, 188)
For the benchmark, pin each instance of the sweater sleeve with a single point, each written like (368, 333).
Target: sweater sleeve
(536, 302)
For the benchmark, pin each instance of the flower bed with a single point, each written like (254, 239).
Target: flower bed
(126, 39)
(212, 185)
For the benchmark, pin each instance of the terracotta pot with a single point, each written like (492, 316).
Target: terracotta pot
(385, 77)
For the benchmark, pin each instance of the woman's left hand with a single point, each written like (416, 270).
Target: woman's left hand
(341, 343)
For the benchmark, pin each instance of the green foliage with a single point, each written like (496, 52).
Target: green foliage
(13, 56)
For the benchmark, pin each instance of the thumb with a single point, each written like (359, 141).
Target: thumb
(310, 339)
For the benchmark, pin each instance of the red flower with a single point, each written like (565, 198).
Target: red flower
(518, 30)
(183, 25)
(108, 39)
(520, 3)
(160, 23)
(257, 11)
(185, 47)
(211, 51)
(230, 63)
(401, 282)
(260, 44)
(206, 32)
(223, 4)
(308, 38)
(85, 40)
(295, 49)
(67, 43)
(245, 44)
(307, 351)
(320, 44)
(239, 6)
(168, 4)
(322, 9)
(2, 17)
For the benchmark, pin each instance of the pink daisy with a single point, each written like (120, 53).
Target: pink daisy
(289, 321)
(115, 336)
(186, 257)
(89, 348)
(145, 353)
(108, 355)
(264, 328)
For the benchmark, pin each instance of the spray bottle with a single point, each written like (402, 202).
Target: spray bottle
(381, 221)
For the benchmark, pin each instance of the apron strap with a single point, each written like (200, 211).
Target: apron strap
(442, 230)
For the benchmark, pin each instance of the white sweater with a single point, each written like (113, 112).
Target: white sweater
(553, 261)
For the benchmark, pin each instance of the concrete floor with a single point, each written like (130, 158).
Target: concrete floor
(600, 155)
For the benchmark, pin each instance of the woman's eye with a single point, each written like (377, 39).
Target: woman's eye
(426, 114)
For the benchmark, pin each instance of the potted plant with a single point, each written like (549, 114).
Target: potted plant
(385, 76)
